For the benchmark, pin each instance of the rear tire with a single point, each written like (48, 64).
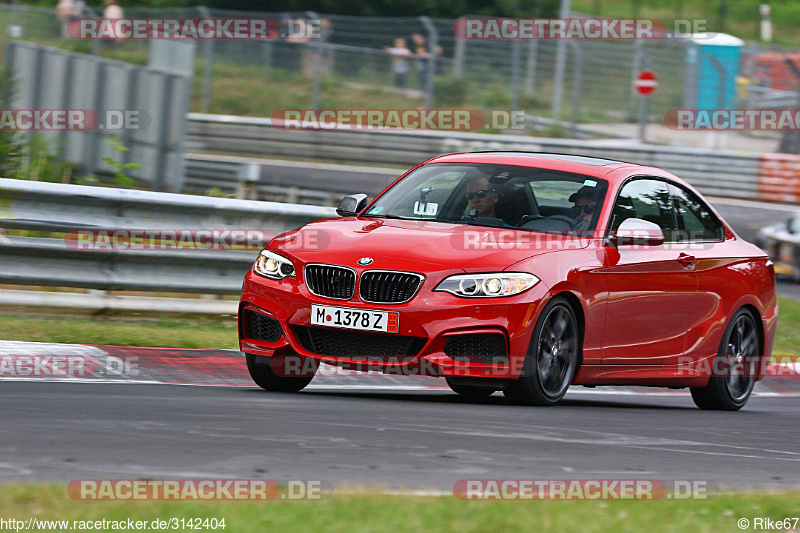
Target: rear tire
(738, 359)
(260, 368)
(552, 359)
(469, 391)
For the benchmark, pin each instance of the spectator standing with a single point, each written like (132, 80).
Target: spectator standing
(399, 53)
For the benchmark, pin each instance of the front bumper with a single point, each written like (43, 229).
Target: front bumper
(431, 317)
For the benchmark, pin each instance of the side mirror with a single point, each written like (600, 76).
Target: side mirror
(352, 205)
(636, 232)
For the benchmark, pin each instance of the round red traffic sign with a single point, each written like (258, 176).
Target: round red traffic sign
(646, 83)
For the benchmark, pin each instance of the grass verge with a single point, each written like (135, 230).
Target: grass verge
(207, 333)
(166, 332)
(371, 512)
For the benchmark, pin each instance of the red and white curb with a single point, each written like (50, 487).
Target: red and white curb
(78, 363)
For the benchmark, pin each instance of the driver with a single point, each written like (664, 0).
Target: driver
(585, 203)
(481, 197)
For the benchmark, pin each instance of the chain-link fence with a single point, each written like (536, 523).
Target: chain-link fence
(353, 66)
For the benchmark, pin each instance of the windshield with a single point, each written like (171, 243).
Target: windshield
(503, 196)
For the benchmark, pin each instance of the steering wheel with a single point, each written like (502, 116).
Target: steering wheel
(529, 218)
(564, 218)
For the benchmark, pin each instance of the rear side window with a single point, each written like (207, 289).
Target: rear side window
(648, 200)
(696, 222)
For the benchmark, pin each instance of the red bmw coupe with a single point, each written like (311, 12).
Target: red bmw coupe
(520, 272)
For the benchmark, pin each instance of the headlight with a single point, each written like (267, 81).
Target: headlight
(274, 266)
(488, 285)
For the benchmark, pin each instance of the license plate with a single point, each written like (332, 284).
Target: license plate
(360, 319)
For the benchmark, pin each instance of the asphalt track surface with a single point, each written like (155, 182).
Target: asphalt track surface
(367, 433)
(403, 439)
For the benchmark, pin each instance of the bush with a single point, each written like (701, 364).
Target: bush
(450, 92)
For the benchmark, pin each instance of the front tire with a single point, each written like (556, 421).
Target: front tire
(261, 371)
(737, 361)
(552, 359)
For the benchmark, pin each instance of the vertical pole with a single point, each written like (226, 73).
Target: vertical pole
(318, 49)
(159, 180)
(561, 55)
(577, 66)
(515, 75)
(132, 86)
(66, 100)
(91, 147)
(460, 52)
(530, 67)
(208, 58)
(433, 43)
(644, 102)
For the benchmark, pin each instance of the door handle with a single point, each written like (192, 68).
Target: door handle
(686, 260)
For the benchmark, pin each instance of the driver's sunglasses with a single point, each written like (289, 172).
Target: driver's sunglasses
(588, 208)
(482, 193)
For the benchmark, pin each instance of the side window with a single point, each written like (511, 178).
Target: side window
(695, 221)
(649, 200)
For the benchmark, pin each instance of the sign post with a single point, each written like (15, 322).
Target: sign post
(645, 84)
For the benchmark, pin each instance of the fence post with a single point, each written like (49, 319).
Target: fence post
(460, 52)
(515, 75)
(790, 140)
(433, 43)
(163, 129)
(208, 57)
(577, 70)
(530, 67)
(66, 100)
(561, 54)
(92, 141)
(318, 48)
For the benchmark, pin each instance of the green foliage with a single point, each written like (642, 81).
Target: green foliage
(120, 177)
(450, 92)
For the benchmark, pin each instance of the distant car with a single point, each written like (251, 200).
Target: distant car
(520, 272)
(782, 244)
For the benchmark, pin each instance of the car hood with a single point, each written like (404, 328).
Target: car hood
(416, 245)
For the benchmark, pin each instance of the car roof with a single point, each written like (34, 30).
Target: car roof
(592, 166)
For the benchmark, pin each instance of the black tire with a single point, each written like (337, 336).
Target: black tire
(737, 361)
(547, 373)
(260, 368)
(469, 391)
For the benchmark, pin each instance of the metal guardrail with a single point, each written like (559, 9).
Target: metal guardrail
(714, 172)
(53, 207)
